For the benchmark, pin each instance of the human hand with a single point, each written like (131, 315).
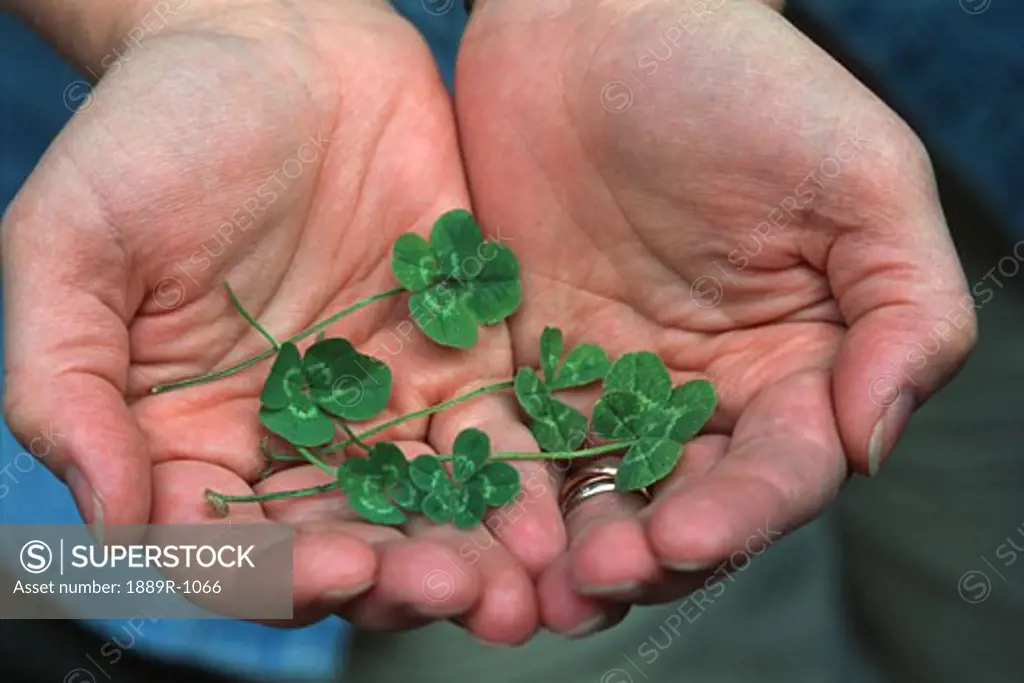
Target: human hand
(708, 184)
(280, 147)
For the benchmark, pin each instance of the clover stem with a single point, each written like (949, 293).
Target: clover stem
(219, 499)
(282, 457)
(317, 461)
(561, 455)
(490, 388)
(273, 457)
(249, 319)
(238, 367)
(270, 455)
(267, 470)
(353, 437)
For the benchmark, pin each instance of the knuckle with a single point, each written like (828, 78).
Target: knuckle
(889, 158)
(966, 337)
(910, 161)
(916, 163)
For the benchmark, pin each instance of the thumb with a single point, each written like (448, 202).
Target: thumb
(66, 352)
(910, 315)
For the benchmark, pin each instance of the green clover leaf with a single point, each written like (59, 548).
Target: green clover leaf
(378, 486)
(285, 379)
(584, 364)
(643, 374)
(300, 394)
(555, 425)
(558, 426)
(550, 352)
(476, 484)
(469, 509)
(469, 453)
(498, 483)
(458, 280)
(617, 416)
(414, 262)
(287, 409)
(640, 405)
(346, 383)
(687, 410)
(428, 475)
(647, 461)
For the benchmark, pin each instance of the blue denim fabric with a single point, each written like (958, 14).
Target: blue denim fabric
(955, 70)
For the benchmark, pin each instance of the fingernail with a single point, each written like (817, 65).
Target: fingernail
(88, 502)
(491, 643)
(688, 566)
(609, 588)
(591, 625)
(888, 429)
(343, 594)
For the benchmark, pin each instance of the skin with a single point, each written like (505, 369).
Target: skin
(114, 259)
(626, 240)
(651, 169)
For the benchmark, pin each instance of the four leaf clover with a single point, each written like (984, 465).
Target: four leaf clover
(474, 485)
(301, 393)
(640, 405)
(558, 426)
(459, 281)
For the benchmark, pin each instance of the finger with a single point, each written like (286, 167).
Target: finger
(609, 554)
(911, 318)
(420, 580)
(66, 350)
(608, 550)
(417, 580)
(699, 458)
(566, 612)
(785, 461)
(423, 576)
(531, 527)
(507, 610)
(608, 561)
(513, 542)
(330, 565)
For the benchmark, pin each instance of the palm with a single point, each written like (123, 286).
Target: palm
(336, 164)
(630, 235)
(658, 195)
(285, 160)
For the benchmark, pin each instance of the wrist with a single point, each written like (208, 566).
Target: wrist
(777, 5)
(83, 30)
(95, 34)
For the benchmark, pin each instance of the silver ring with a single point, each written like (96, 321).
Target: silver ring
(590, 481)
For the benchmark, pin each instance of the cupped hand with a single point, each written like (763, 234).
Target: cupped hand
(699, 180)
(280, 147)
